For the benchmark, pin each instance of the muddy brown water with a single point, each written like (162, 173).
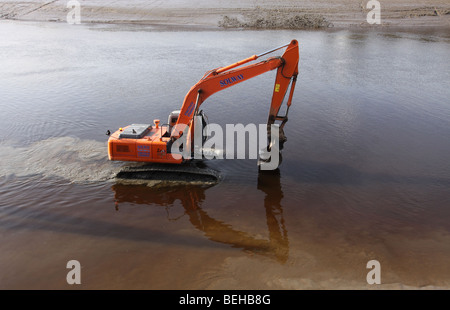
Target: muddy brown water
(365, 172)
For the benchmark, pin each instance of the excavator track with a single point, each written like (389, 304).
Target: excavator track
(187, 173)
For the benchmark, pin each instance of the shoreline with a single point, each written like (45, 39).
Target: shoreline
(199, 15)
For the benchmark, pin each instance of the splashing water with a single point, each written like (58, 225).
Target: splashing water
(70, 158)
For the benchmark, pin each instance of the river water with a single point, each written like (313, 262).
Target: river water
(365, 172)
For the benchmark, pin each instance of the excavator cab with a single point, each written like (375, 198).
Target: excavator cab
(173, 118)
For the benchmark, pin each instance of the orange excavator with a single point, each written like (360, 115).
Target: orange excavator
(152, 143)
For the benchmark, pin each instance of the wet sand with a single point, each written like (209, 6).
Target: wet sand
(201, 14)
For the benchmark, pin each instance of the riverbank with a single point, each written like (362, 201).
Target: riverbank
(269, 14)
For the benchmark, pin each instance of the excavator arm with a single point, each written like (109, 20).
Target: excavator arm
(225, 77)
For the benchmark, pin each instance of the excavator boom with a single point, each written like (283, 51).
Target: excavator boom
(222, 78)
(151, 143)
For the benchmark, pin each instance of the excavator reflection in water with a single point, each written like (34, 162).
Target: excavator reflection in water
(192, 197)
